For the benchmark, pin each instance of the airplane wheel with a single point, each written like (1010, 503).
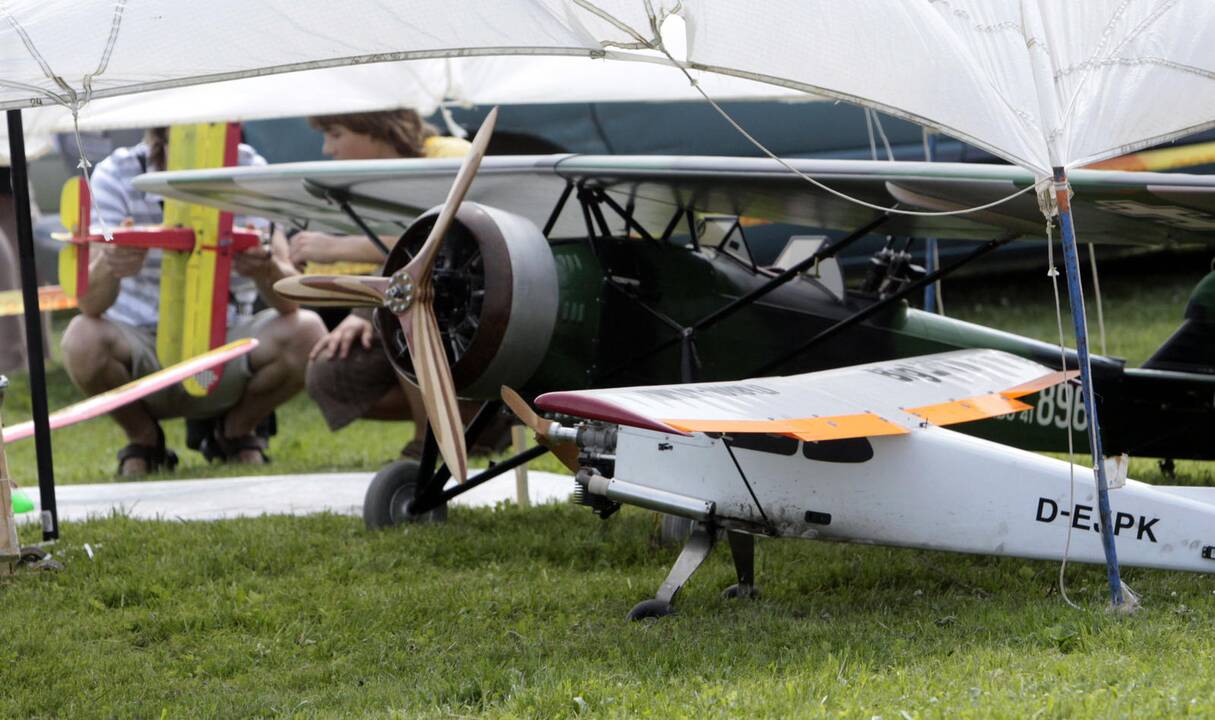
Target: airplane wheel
(740, 591)
(675, 530)
(652, 608)
(389, 494)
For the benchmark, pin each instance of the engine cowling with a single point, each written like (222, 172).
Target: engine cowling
(495, 298)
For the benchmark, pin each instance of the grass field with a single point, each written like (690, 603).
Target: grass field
(519, 613)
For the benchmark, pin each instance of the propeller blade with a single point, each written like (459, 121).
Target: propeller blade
(334, 290)
(419, 268)
(566, 452)
(524, 412)
(414, 305)
(438, 390)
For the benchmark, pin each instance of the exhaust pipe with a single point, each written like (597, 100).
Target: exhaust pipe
(646, 497)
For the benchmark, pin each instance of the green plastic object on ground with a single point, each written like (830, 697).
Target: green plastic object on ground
(21, 503)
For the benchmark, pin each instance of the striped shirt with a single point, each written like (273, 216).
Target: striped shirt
(115, 199)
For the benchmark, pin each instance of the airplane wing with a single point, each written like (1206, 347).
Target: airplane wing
(103, 403)
(884, 398)
(1110, 207)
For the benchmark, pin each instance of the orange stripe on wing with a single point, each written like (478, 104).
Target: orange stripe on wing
(836, 427)
(1041, 383)
(973, 408)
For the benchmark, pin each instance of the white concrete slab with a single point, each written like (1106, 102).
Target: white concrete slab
(219, 498)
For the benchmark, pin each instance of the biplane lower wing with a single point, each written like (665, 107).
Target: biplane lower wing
(1111, 207)
(884, 398)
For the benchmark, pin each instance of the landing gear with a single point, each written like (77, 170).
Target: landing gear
(1168, 468)
(742, 549)
(389, 494)
(697, 548)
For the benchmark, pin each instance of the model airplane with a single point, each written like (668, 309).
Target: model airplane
(199, 368)
(857, 455)
(610, 271)
(198, 243)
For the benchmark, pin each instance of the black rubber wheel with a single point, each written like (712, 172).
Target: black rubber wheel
(675, 530)
(735, 591)
(652, 608)
(388, 496)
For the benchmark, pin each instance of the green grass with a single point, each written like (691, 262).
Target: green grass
(520, 613)
(512, 613)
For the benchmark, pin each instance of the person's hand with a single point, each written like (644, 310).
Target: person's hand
(338, 341)
(256, 263)
(311, 246)
(122, 260)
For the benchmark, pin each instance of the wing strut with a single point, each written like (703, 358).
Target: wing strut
(342, 200)
(885, 302)
(686, 335)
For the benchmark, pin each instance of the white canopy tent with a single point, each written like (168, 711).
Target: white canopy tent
(1046, 84)
(423, 85)
(1042, 83)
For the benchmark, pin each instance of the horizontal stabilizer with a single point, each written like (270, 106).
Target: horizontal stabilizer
(884, 398)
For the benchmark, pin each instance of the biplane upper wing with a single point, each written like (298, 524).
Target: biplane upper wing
(1110, 207)
(884, 398)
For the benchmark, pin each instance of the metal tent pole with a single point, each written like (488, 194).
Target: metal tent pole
(33, 327)
(1075, 294)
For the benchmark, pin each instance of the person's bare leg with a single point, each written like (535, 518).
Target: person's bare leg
(279, 364)
(393, 405)
(97, 358)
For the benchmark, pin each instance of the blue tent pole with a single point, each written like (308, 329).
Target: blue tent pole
(1075, 294)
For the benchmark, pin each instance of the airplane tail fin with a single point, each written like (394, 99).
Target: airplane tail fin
(1192, 347)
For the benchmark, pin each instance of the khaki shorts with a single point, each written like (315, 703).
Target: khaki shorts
(174, 401)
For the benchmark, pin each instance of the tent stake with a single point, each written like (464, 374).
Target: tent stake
(33, 327)
(1075, 294)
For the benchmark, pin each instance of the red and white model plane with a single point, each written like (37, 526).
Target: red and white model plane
(858, 455)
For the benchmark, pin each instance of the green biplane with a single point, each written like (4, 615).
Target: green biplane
(571, 272)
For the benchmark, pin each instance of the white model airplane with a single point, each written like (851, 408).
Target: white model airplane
(857, 455)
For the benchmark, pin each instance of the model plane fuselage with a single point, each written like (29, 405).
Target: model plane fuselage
(933, 489)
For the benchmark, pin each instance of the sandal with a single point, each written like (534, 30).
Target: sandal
(229, 449)
(155, 457)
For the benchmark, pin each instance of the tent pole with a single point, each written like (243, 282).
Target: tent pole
(930, 244)
(33, 327)
(1075, 295)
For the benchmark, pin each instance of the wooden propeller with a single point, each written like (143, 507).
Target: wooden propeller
(409, 294)
(334, 290)
(566, 452)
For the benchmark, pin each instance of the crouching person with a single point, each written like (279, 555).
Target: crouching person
(113, 340)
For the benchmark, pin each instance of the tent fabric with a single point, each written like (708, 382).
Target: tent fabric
(422, 85)
(1038, 82)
